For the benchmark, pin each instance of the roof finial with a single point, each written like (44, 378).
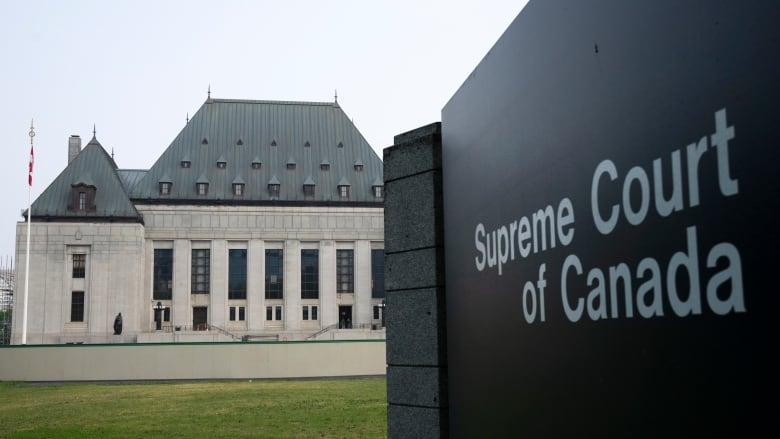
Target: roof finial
(209, 93)
(94, 130)
(188, 117)
(336, 96)
(112, 153)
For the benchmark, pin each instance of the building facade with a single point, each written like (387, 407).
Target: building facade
(261, 220)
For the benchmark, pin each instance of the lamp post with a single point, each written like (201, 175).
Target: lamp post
(158, 315)
(383, 305)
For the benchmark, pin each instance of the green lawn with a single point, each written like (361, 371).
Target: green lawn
(346, 408)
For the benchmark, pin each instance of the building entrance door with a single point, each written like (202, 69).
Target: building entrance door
(200, 316)
(345, 317)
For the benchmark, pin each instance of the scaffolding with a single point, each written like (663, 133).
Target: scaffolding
(6, 298)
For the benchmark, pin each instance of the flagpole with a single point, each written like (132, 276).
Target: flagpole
(29, 218)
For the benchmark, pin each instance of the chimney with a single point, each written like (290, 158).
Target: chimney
(74, 147)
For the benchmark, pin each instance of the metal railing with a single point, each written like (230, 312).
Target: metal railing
(322, 331)
(225, 332)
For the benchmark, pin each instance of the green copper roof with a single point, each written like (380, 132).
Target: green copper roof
(225, 137)
(91, 168)
(129, 177)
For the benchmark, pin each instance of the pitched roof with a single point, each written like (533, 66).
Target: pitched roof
(92, 167)
(129, 177)
(275, 134)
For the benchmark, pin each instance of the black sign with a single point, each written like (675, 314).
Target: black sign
(611, 221)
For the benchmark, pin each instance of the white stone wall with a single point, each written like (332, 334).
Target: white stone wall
(258, 229)
(112, 282)
(194, 361)
(120, 262)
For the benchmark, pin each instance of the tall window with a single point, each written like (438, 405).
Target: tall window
(344, 191)
(79, 265)
(203, 188)
(236, 274)
(274, 280)
(345, 271)
(82, 200)
(163, 273)
(310, 275)
(201, 271)
(77, 306)
(378, 273)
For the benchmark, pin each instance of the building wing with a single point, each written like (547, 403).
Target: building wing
(88, 188)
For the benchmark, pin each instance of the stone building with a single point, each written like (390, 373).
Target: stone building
(261, 220)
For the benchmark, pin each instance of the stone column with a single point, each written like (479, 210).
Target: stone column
(328, 308)
(363, 311)
(292, 285)
(219, 273)
(255, 285)
(182, 309)
(414, 285)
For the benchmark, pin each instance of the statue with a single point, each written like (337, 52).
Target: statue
(118, 324)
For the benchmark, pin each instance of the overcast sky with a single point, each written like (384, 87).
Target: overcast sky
(136, 69)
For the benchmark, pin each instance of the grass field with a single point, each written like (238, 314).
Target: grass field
(345, 408)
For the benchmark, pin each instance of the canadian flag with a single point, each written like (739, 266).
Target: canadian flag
(32, 160)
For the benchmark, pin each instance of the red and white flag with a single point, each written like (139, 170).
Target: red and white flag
(32, 160)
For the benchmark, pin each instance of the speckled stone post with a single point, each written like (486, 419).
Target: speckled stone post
(414, 283)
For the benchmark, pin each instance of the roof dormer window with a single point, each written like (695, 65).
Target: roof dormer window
(186, 164)
(202, 186)
(378, 187)
(307, 144)
(238, 186)
(325, 165)
(83, 197)
(340, 145)
(205, 141)
(358, 165)
(343, 188)
(221, 163)
(273, 188)
(239, 142)
(308, 188)
(165, 185)
(273, 142)
(291, 163)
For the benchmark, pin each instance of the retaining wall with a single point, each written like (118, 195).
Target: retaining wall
(186, 361)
